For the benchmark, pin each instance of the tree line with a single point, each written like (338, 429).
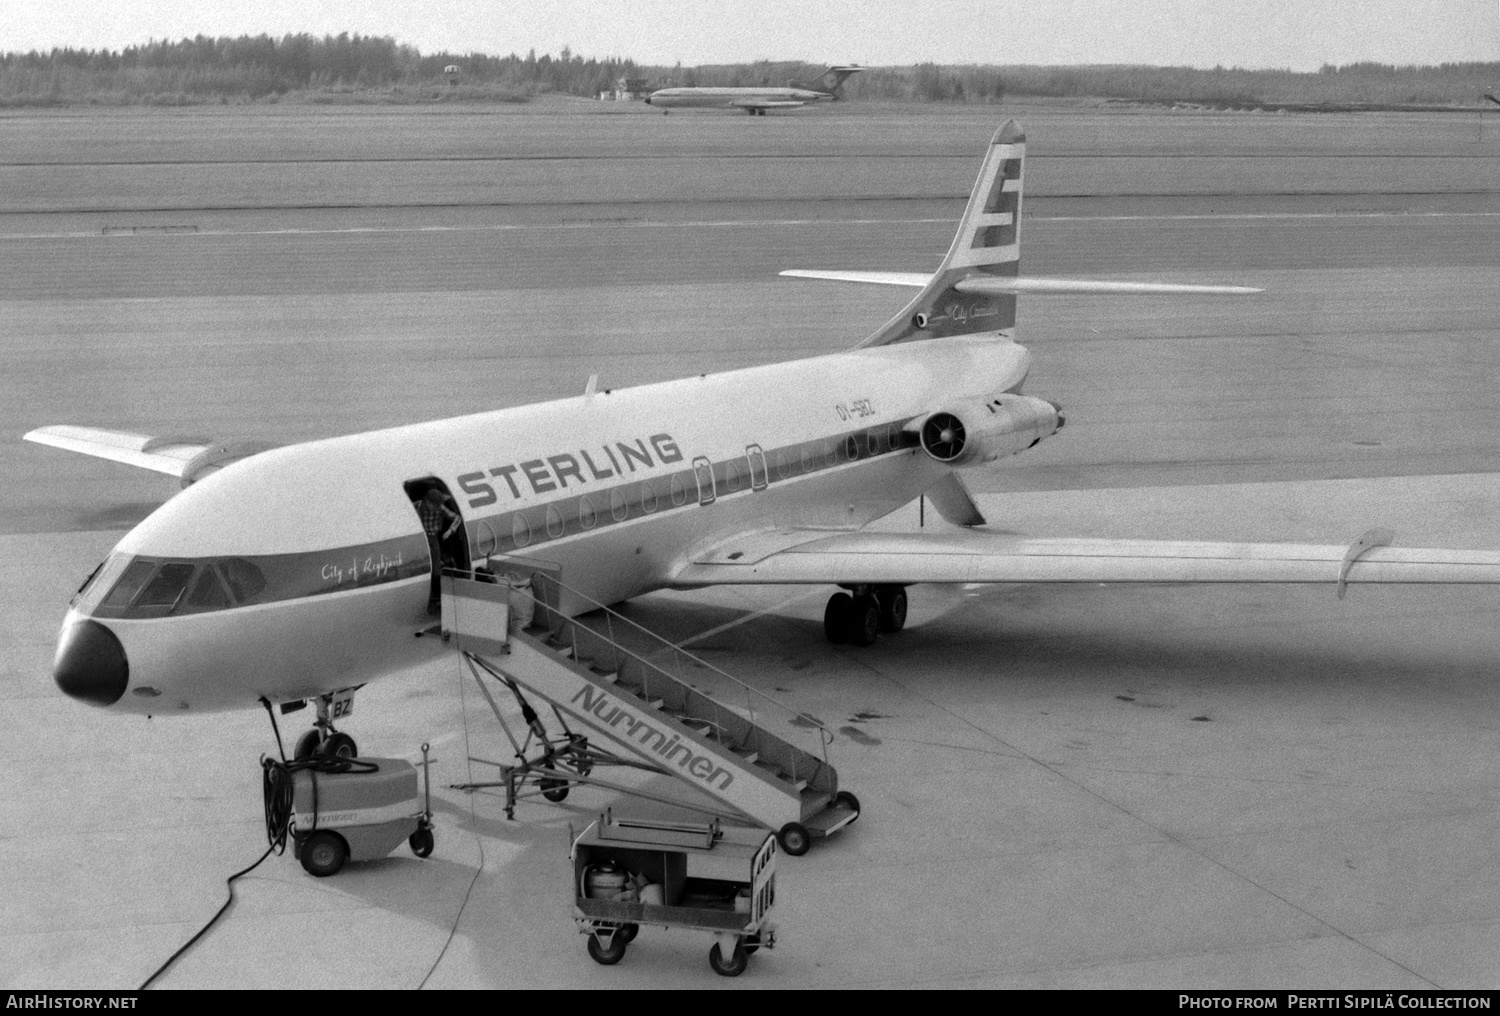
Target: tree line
(377, 68)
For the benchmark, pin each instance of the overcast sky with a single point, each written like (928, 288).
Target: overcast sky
(1300, 34)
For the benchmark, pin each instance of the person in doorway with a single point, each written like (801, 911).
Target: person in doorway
(439, 522)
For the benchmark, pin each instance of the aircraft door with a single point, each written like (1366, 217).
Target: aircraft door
(449, 546)
(704, 471)
(759, 476)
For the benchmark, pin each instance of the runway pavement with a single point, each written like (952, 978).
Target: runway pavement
(1091, 786)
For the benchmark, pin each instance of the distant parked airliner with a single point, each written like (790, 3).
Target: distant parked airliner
(755, 101)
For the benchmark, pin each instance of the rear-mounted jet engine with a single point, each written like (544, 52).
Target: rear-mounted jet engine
(972, 432)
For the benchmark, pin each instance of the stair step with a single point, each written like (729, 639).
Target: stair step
(655, 703)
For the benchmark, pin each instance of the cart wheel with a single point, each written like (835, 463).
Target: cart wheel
(323, 854)
(338, 746)
(751, 944)
(421, 842)
(844, 799)
(738, 961)
(628, 932)
(307, 745)
(607, 955)
(794, 838)
(554, 790)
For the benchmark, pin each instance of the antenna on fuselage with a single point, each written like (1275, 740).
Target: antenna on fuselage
(591, 387)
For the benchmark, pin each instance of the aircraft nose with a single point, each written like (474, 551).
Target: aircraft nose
(90, 664)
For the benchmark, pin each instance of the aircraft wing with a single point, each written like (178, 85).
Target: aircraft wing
(977, 555)
(767, 104)
(187, 458)
(998, 285)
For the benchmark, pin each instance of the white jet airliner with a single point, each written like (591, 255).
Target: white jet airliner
(299, 572)
(755, 101)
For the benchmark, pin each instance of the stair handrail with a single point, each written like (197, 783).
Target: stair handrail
(826, 736)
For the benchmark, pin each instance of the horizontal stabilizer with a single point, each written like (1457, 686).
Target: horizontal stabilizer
(187, 458)
(916, 280)
(990, 285)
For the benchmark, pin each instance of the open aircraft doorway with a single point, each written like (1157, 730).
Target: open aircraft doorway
(443, 524)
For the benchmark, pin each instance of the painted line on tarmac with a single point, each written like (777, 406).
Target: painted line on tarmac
(750, 617)
(149, 232)
(1245, 216)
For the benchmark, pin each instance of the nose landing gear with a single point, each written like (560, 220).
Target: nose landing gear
(324, 740)
(865, 615)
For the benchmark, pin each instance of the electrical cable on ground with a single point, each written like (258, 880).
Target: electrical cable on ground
(463, 705)
(276, 790)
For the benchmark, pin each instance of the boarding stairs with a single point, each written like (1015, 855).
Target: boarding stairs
(638, 701)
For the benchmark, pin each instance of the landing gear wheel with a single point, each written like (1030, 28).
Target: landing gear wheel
(738, 960)
(421, 842)
(323, 854)
(554, 790)
(864, 626)
(794, 838)
(307, 745)
(607, 955)
(838, 618)
(339, 746)
(628, 932)
(892, 600)
(844, 799)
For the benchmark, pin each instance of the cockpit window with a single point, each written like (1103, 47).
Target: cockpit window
(245, 580)
(130, 584)
(208, 593)
(146, 588)
(100, 582)
(167, 587)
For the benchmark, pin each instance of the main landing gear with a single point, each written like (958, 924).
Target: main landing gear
(863, 614)
(323, 739)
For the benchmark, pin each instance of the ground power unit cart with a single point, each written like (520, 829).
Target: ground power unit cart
(706, 876)
(339, 810)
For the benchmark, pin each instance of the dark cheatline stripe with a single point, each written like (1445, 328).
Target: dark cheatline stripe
(602, 507)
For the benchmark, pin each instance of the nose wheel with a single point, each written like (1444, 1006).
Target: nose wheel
(323, 740)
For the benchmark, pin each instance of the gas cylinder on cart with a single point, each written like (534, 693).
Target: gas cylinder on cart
(605, 881)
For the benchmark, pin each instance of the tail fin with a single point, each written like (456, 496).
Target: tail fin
(830, 81)
(986, 245)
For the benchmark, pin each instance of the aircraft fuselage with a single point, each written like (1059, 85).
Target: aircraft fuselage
(732, 98)
(304, 569)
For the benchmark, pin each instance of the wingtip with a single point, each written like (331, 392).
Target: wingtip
(1010, 133)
